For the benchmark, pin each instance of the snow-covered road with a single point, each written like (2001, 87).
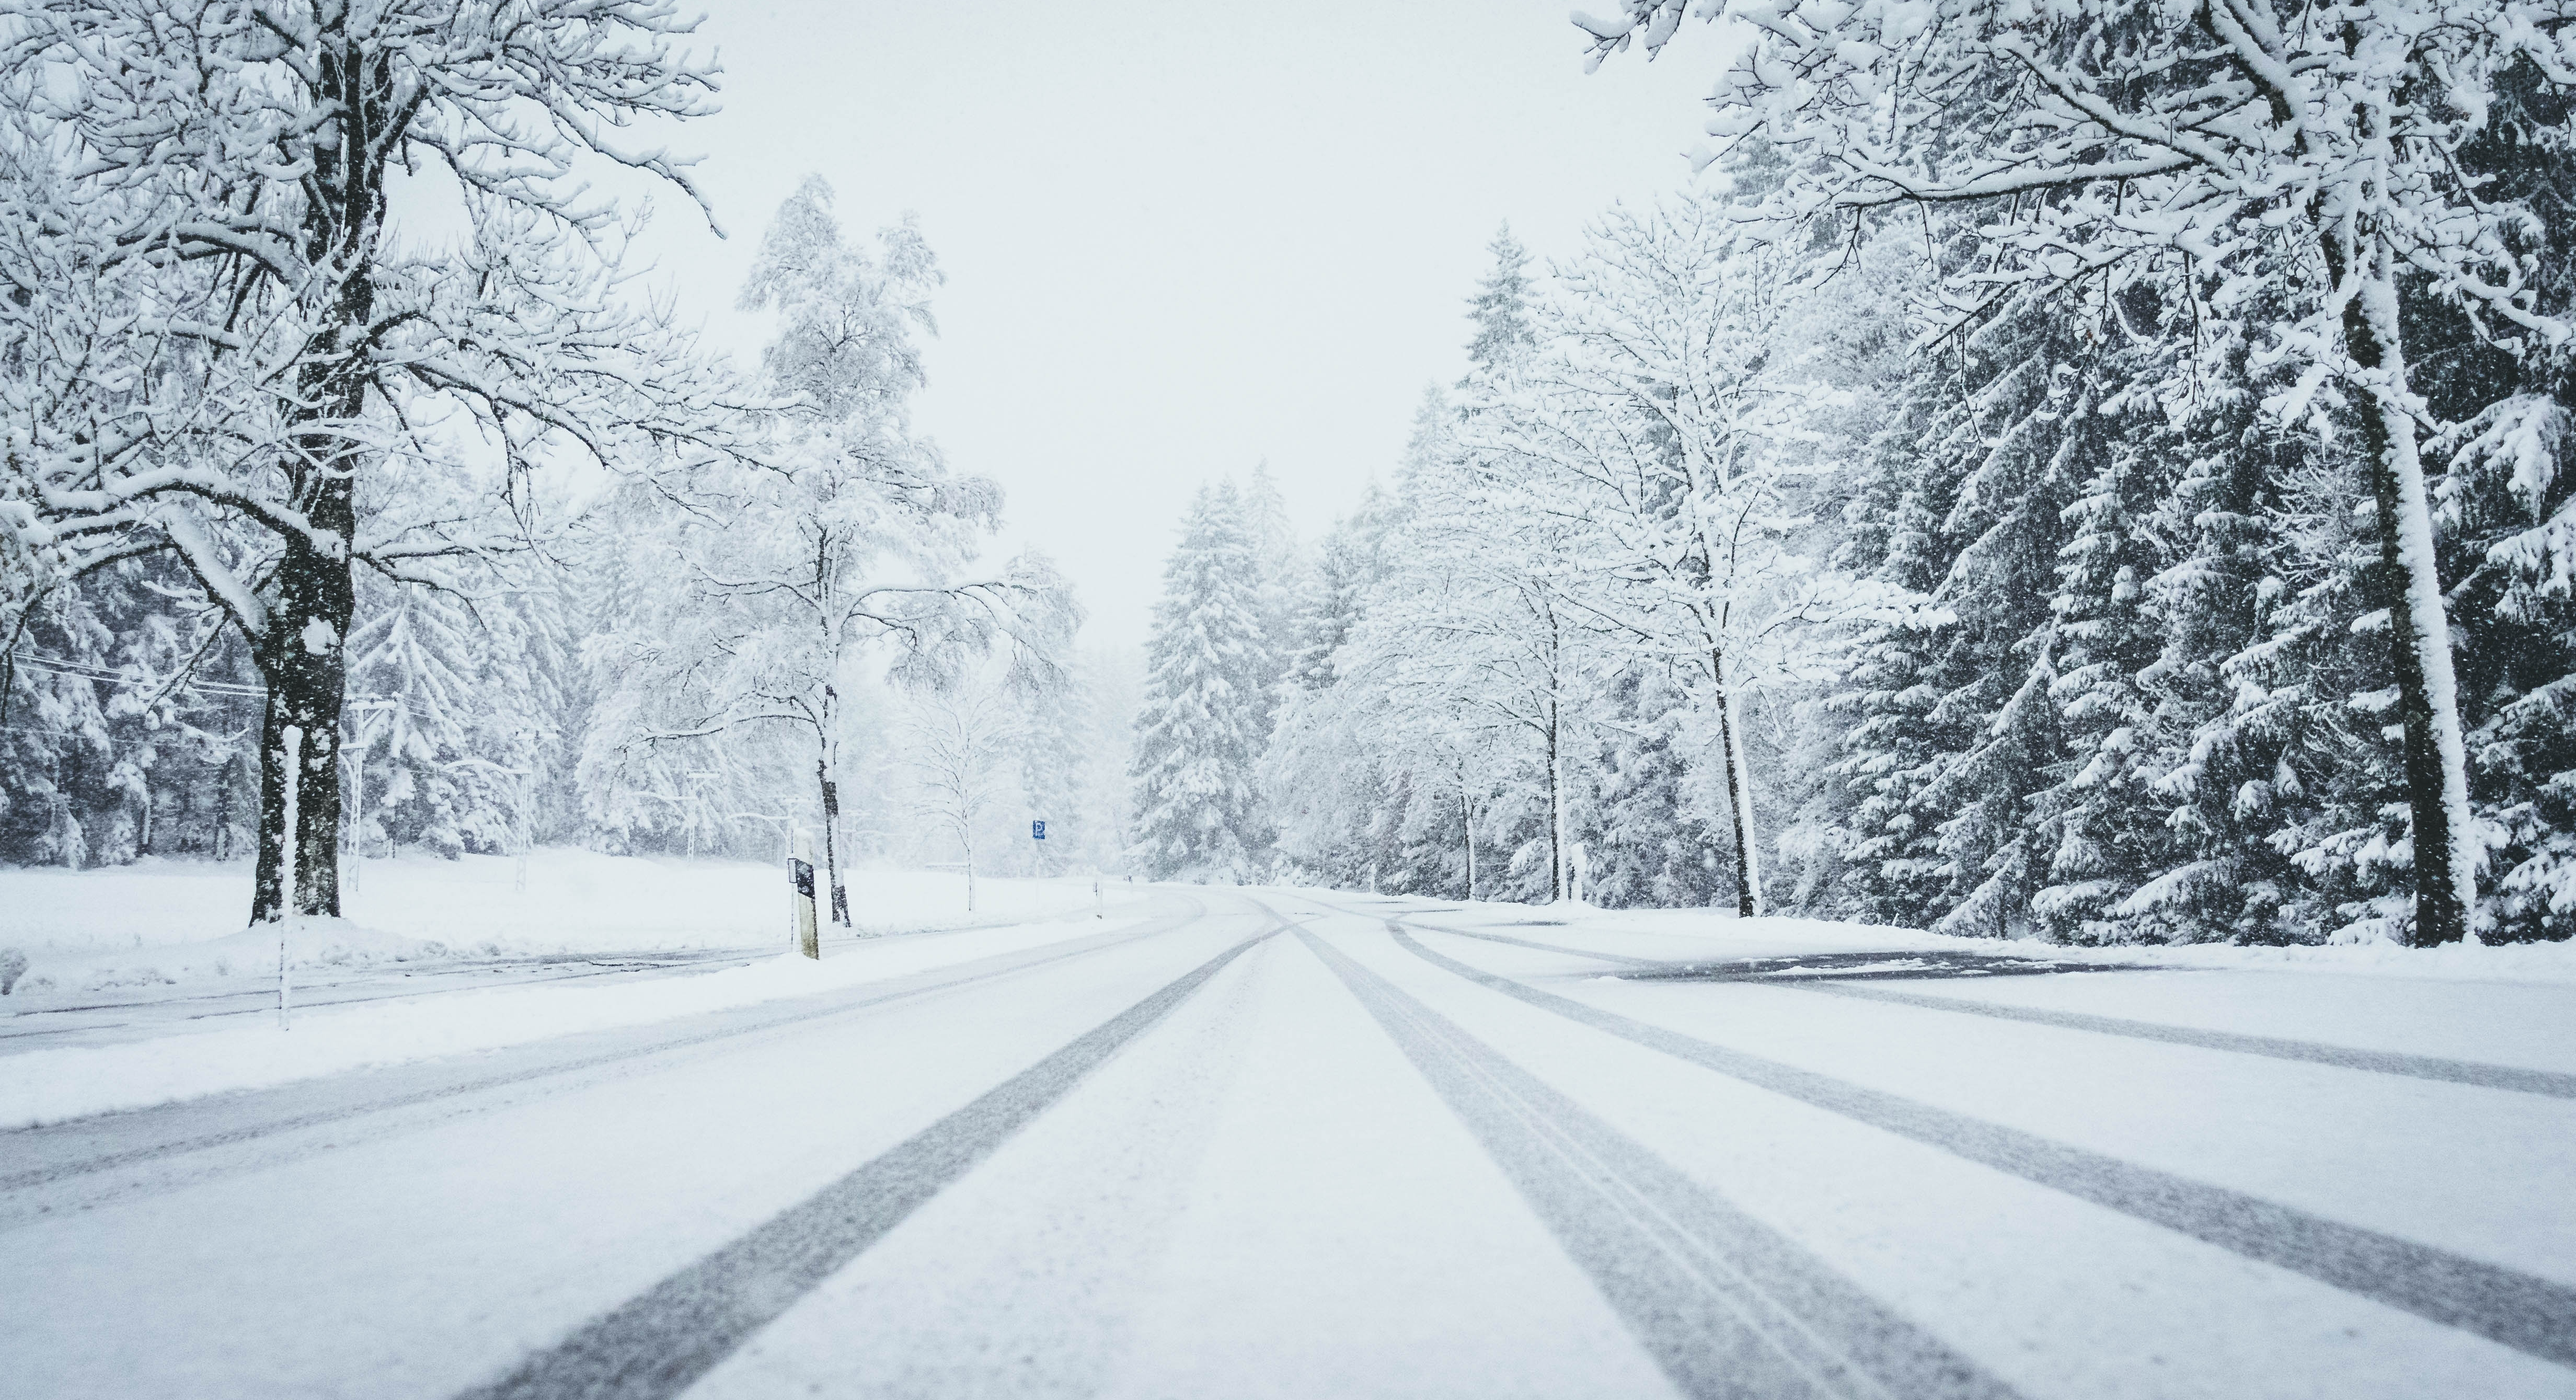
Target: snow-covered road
(1279, 1143)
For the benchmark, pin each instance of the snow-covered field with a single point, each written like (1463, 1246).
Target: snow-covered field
(158, 922)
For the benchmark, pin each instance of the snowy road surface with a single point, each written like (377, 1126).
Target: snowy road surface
(1281, 1144)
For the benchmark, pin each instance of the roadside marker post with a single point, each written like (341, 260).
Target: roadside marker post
(800, 874)
(1099, 902)
(289, 850)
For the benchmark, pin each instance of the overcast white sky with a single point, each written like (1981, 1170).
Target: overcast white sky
(1179, 237)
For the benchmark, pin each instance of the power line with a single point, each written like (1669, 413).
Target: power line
(81, 670)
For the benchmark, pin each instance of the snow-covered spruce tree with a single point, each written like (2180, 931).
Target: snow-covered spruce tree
(1969, 494)
(2220, 130)
(838, 536)
(1282, 564)
(2502, 501)
(219, 332)
(2268, 780)
(1198, 810)
(1651, 831)
(1501, 311)
(2099, 830)
(1318, 772)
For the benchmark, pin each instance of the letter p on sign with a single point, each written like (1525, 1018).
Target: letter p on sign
(1037, 831)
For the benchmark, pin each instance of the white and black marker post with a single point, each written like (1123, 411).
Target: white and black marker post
(1099, 902)
(800, 873)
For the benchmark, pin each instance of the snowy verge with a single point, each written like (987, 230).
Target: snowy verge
(48, 1086)
(1724, 935)
(168, 922)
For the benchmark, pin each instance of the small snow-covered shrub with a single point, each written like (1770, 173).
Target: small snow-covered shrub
(13, 965)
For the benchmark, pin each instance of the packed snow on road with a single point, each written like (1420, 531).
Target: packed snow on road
(1291, 1141)
(1711, 699)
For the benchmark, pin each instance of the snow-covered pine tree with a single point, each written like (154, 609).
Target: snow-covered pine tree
(1506, 330)
(1281, 565)
(1199, 733)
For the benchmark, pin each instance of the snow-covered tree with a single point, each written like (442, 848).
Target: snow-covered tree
(2113, 139)
(839, 540)
(218, 330)
(1673, 412)
(955, 747)
(1203, 724)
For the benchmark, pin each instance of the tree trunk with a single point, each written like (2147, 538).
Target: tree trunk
(2437, 769)
(1467, 835)
(224, 808)
(298, 649)
(1739, 797)
(1556, 853)
(832, 841)
(301, 660)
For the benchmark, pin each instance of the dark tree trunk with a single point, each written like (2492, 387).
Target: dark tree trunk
(299, 651)
(831, 843)
(2419, 628)
(301, 661)
(1739, 809)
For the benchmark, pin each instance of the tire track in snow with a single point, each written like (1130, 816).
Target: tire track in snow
(1725, 1305)
(2532, 1315)
(2511, 1078)
(201, 1125)
(2483, 1076)
(660, 1342)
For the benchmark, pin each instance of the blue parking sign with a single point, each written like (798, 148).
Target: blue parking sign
(1037, 831)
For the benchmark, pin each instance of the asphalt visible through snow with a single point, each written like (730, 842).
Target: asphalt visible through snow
(1281, 1143)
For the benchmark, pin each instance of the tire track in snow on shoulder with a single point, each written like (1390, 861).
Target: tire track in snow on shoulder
(2532, 1315)
(2471, 1072)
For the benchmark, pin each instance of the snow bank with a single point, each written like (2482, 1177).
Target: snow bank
(1728, 936)
(158, 922)
(44, 1086)
(310, 944)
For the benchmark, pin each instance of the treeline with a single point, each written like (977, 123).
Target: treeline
(1875, 566)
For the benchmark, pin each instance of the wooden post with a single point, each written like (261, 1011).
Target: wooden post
(800, 872)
